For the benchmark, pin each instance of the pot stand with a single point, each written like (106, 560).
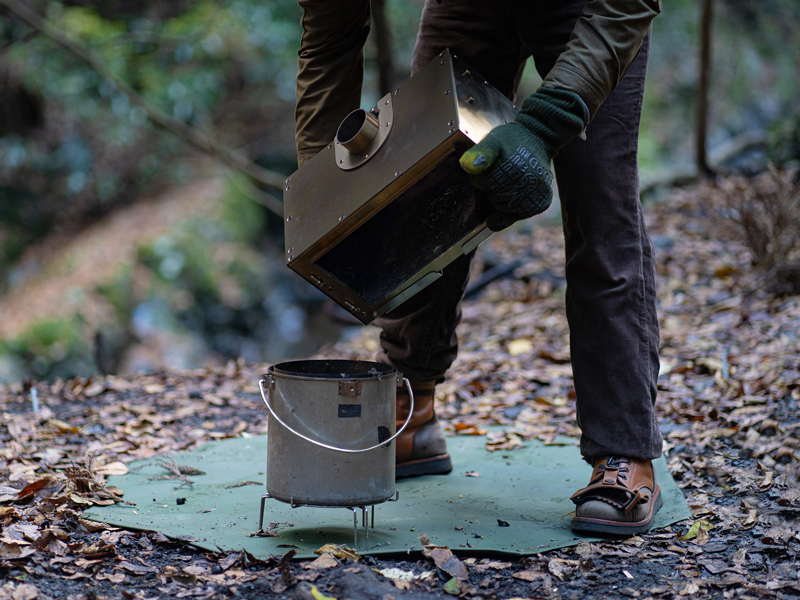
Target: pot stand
(365, 516)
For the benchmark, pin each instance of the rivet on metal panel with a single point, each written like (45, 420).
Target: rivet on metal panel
(349, 388)
(397, 91)
(444, 62)
(271, 382)
(341, 160)
(386, 103)
(471, 100)
(397, 173)
(341, 218)
(467, 72)
(366, 156)
(287, 187)
(451, 123)
(452, 130)
(290, 250)
(289, 218)
(466, 132)
(446, 92)
(388, 123)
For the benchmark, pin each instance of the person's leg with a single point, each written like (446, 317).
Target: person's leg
(610, 293)
(419, 337)
(611, 311)
(611, 279)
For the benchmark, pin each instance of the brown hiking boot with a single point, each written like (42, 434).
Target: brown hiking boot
(622, 498)
(421, 448)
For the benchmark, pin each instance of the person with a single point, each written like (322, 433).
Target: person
(592, 56)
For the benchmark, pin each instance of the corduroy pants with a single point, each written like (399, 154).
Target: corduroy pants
(611, 306)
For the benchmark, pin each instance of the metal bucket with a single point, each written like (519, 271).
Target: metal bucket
(332, 431)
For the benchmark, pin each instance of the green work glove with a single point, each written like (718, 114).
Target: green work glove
(512, 163)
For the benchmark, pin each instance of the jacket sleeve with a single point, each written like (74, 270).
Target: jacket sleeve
(331, 70)
(603, 44)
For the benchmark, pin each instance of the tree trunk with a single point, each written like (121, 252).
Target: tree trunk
(383, 44)
(703, 84)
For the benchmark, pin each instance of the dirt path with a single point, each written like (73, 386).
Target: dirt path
(64, 267)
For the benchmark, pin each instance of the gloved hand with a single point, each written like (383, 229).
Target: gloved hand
(512, 163)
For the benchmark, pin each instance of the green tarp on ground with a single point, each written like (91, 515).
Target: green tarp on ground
(528, 488)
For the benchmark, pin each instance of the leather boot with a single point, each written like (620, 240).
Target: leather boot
(622, 498)
(421, 448)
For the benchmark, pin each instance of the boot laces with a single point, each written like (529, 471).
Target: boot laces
(613, 463)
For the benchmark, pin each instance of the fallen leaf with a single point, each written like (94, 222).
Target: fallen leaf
(498, 565)
(692, 533)
(453, 587)
(531, 575)
(503, 440)
(113, 468)
(31, 489)
(136, 569)
(516, 347)
(325, 561)
(702, 537)
(448, 562)
(560, 567)
(25, 591)
(464, 429)
(319, 595)
(397, 574)
(690, 589)
(339, 552)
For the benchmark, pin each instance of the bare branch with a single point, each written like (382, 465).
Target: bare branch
(156, 115)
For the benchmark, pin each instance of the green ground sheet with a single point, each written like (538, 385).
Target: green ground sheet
(527, 488)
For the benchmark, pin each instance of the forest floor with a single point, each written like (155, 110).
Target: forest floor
(728, 409)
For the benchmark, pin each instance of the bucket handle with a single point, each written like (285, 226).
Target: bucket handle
(264, 397)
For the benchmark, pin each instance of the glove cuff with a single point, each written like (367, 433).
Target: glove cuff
(555, 116)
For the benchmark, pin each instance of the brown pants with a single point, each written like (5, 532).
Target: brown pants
(611, 310)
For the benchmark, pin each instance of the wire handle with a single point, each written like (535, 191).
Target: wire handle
(264, 397)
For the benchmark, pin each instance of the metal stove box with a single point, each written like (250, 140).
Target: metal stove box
(374, 217)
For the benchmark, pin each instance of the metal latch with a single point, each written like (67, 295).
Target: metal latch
(349, 388)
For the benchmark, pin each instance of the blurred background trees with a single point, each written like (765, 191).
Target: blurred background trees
(76, 149)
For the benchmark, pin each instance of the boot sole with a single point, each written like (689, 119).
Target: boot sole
(435, 465)
(587, 524)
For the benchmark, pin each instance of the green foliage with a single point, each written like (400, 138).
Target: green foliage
(49, 349)
(119, 292)
(96, 149)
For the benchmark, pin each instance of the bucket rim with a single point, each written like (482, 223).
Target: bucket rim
(332, 369)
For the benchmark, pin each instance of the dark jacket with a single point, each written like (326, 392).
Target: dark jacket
(602, 46)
